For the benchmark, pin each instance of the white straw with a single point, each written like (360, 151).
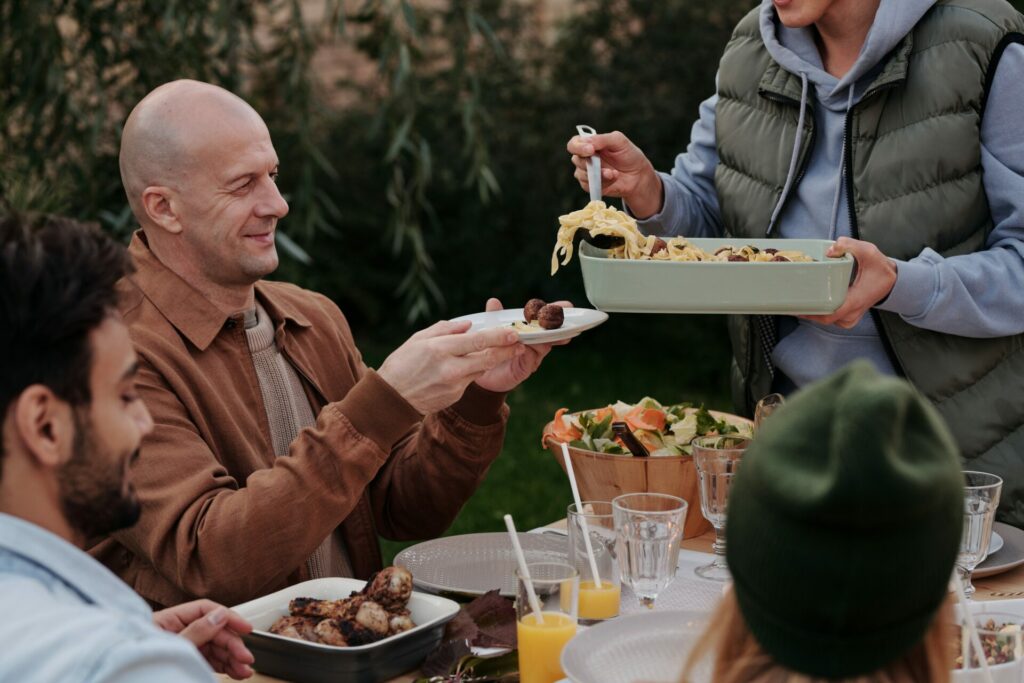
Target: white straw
(583, 516)
(968, 618)
(524, 570)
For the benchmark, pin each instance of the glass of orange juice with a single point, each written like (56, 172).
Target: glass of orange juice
(542, 637)
(597, 603)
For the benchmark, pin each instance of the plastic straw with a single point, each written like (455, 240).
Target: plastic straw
(583, 516)
(972, 630)
(524, 570)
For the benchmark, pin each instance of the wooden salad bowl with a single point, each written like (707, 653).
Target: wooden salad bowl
(602, 476)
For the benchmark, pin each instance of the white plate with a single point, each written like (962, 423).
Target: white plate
(994, 544)
(300, 660)
(576, 320)
(650, 647)
(473, 564)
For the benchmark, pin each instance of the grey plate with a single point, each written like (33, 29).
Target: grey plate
(1006, 558)
(650, 647)
(473, 564)
(305, 662)
(632, 286)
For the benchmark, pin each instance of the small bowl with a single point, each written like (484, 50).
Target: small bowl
(1007, 672)
(602, 476)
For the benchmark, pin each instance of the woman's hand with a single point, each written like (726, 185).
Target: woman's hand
(625, 171)
(876, 276)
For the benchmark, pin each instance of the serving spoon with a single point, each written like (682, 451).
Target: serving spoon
(594, 180)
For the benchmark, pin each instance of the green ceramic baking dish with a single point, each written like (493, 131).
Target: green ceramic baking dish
(631, 286)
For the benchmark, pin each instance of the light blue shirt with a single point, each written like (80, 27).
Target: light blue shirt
(67, 618)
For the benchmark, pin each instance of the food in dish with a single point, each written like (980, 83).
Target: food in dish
(539, 315)
(377, 611)
(600, 219)
(999, 641)
(663, 430)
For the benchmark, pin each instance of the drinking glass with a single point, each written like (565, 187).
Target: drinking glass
(541, 639)
(717, 458)
(765, 407)
(649, 528)
(981, 498)
(596, 603)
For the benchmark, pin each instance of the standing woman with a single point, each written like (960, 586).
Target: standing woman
(893, 127)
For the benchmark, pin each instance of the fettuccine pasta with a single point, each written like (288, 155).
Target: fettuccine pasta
(600, 219)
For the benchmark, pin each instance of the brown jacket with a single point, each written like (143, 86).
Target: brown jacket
(222, 517)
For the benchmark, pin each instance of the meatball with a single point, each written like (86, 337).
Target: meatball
(532, 309)
(551, 317)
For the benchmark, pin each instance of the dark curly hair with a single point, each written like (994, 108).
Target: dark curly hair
(58, 282)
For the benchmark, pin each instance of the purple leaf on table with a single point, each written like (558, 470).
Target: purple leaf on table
(495, 618)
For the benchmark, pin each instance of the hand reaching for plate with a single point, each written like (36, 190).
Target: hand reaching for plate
(511, 373)
(433, 368)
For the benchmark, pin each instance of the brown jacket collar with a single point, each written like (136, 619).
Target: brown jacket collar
(185, 307)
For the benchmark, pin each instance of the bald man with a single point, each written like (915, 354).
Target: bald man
(276, 455)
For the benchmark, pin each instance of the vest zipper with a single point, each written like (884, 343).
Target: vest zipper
(855, 232)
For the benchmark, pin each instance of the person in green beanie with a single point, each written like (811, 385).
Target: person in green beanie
(844, 523)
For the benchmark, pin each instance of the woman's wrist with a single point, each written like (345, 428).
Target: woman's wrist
(649, 196)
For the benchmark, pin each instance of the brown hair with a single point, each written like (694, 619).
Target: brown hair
(737, 657)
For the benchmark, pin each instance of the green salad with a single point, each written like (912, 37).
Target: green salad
(663, 430)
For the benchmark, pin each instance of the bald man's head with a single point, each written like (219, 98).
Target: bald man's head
(166, 129)
(200, 173)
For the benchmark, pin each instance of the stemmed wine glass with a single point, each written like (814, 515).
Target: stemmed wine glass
(766, 407)
(981, 498)
(717, 458)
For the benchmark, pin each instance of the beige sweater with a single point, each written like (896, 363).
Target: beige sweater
(289, 412)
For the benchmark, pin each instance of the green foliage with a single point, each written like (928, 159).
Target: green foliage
(438, 179)
(478, 187)
(72, 71)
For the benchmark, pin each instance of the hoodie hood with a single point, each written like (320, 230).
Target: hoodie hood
(796, 51)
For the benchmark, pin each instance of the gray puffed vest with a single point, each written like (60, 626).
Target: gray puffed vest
(914, 180)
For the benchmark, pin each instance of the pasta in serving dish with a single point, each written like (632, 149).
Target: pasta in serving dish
(601, 219)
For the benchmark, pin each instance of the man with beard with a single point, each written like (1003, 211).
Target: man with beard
(72, 422)
(277, 455)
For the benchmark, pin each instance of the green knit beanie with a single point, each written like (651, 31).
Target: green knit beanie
(844, 522)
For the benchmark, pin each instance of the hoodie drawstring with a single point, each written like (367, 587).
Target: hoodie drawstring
(795, 157)
(841, 177)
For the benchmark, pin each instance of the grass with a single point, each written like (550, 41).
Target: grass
(672, 358)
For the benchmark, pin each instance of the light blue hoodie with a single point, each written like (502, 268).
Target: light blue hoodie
(974, 295)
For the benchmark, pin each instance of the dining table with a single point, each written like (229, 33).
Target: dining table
(1004, 586)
